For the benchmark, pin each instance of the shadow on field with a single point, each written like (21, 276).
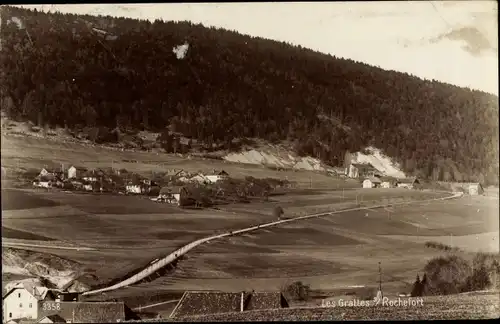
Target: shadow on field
(16, 199)
(17, 234)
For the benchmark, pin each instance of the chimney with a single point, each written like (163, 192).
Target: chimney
(242, 301)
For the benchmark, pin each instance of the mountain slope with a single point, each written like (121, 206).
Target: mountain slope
(115, 72)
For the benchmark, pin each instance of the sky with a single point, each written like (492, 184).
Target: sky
(407, 36)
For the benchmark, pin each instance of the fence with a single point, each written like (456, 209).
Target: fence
(183, 250)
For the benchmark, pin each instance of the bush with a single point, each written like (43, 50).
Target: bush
(296, 291)
(453, 274)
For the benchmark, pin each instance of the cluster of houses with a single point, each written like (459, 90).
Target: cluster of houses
(111, 180)
(372, 178)
(30, 303)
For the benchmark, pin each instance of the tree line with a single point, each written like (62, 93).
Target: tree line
(78, 70)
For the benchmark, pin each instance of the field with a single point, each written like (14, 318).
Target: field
(464, 306)
(330, 253)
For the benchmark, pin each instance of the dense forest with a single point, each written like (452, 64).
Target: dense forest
(73, 71)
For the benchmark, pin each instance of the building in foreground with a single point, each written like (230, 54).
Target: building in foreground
(195, 303)
(32, 303)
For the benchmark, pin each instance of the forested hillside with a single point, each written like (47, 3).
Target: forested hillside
(75, 71)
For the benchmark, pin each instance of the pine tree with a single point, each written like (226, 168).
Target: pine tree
(423, 284)
(416, 287)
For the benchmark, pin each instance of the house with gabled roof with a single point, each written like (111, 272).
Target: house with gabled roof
(199, 178)
(173, 194)
(473, 188)
(76, 172)
(195, 303)
(372, 182)
(217, 175)
(48, 172)
(52, 319)
(23, 301)
(361, 170)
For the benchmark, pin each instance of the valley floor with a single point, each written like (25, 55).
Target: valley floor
(329, 253)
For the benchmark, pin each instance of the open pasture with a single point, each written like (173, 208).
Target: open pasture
(17, 199)
(329, 252)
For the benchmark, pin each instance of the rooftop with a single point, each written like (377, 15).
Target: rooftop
(88, 312)
(216, 302)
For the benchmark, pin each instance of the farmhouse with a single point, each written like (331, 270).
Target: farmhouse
(47, 172)
(217, 176)
(75, 172)
(135, 186)
(408, 183)
(23, 301)
(371, 182)
(93, 175)
(199, 178)
(357, 170)
(173, 194)
(215, 302)
(48, 180)
(474, 189)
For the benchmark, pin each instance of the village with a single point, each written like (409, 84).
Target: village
(199, 189)
(29, 303)
(176, 187)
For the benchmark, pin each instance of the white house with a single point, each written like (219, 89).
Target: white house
(22, 301)
(173, 195)
(475, 189)
(47, 172)
(74, 172)
(43, 183)
(134, 188)
(217, 176)
(371, 182)
(137, 186)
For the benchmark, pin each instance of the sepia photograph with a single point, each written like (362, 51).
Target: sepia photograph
(249, 161)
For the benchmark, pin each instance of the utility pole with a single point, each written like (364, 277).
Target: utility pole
(380, 280)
